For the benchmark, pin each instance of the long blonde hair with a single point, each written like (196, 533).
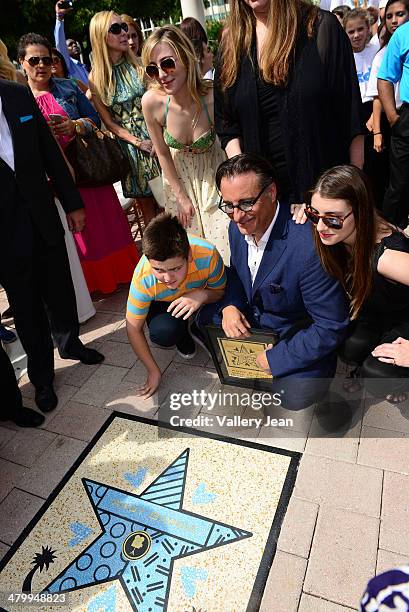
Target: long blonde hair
(7, 70)
(184, 52)
(102, 73)
(283, 24)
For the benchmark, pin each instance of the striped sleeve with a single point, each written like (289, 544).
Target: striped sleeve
(217, 273)
(139, 298)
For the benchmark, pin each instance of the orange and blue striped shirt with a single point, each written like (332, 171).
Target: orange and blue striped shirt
(206, 270)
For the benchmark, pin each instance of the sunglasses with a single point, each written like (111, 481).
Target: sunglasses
(56, 60)
(243, 205)
(335, 223)
(116, 28)
(34, 61)
(167, 65)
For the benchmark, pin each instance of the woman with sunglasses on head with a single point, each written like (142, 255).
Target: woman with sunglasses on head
(117, 86)
(178, 109)
(105, 246)
(370, 257)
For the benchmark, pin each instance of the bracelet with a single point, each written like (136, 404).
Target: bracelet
(137, 142)
(376, 133)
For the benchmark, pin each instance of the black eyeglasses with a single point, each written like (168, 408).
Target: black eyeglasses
(330, 221)
(35, 60)
(116, 28)
(243, 205)
(167, 65)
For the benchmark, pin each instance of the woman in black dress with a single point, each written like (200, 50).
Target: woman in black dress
(286, 88)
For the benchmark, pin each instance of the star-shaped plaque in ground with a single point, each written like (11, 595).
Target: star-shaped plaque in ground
(141, 537)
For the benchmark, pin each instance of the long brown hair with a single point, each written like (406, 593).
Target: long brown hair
(283, 24)
(352, 269)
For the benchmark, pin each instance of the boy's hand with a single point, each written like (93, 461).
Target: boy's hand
(151, 385)
(187, 304)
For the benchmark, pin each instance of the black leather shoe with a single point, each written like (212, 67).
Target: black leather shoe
(46, 398)
(25, 417)
(86, 355)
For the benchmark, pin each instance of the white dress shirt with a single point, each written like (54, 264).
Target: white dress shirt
(6, 143)
(256, 250)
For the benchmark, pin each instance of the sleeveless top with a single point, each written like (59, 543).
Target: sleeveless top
(389, 296)
(201, 144)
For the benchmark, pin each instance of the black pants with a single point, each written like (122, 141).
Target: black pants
(365, 334)
(164, 329)
(11, 401)
(41, 293)
(396, 204)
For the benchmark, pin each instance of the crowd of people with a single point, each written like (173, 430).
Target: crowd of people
(282, 171)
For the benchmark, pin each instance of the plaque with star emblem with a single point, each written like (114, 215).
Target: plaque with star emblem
(235, 360)
(148, 523)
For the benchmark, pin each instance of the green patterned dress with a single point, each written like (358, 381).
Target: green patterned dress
(126, 111)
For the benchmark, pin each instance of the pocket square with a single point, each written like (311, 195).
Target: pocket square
(25, 118)
(275, 288)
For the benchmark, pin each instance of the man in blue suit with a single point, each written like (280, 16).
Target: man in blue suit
(276, 282)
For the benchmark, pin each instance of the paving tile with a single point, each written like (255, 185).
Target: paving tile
(341, 484)
(3, 549)
(394, 533)
(124, 399)
(100, 327)
(26, 446)
(282, 437)
(343, 555)
(395, 496)
(100, 386)
(298, 527)
(384, 449)
(309, 603)
(385, 415)
(298, 420)
(6, 436)
(113, 303)
(78, 421)
(183, 378)
(225, 400)
(118, 354)
(73, 373)
(53, 464)
(284, 583)
(12, 523)
(119, 334)
(162, 357)
(11, 476)
(200, 359)
(388, 560)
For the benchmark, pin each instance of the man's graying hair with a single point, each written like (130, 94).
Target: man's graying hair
(244, 163)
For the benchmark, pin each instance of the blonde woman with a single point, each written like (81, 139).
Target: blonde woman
(7, 71)
(178, 109)
(135, 36)
(117, 87)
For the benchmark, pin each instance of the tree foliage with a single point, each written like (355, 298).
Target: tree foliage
(22, 16)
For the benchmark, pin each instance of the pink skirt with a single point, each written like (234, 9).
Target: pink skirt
(105, 247)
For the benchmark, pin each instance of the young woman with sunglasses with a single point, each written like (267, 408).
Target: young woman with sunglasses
(178, 109)
(370, 257)
(117, 86)
(59, 70)
(105, 247)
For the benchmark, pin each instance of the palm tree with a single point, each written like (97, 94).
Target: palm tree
(40, 561)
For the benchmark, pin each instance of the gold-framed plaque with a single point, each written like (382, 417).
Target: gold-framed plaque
(235, 359)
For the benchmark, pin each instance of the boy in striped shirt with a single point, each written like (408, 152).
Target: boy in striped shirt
(176, 275)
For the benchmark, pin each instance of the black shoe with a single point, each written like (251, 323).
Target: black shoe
(25, 417)
(199, 337)
(86, 355)
(46, 398)
(186, 348)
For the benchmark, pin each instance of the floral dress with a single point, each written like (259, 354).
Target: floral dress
(126, 111)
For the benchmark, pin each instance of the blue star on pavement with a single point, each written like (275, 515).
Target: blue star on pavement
(142, 536)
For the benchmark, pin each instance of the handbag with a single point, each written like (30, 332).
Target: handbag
(97, 158)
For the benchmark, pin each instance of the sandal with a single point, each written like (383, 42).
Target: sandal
(397, 398)
(351, 383)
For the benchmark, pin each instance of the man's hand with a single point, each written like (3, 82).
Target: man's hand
(234, 323)
(151, 384)
(187, 304)
(76, 220)
(61, 12)
(262, 361)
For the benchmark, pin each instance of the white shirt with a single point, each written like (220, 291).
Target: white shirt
(256, 251)
(372, 88)
(6, 143)
(363, 63)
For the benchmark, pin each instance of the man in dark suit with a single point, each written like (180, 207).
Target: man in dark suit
(34, 268)
(276, 282)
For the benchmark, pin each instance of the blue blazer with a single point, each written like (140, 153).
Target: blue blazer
(291, 294)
